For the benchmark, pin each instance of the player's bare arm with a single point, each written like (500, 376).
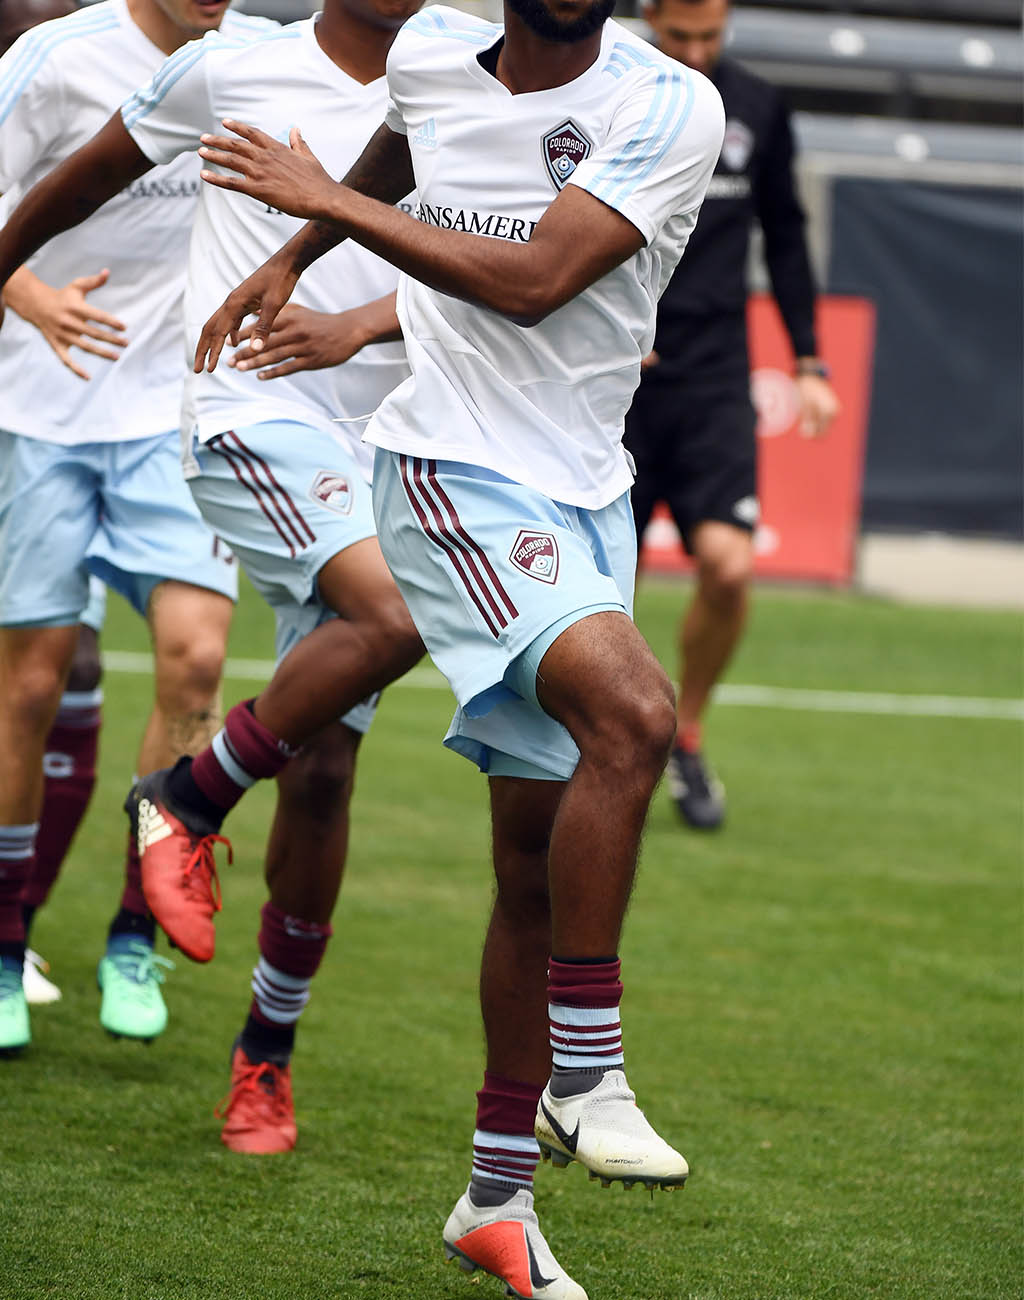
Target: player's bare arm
(312, 340)
(382, 171)
(65, 317)
(524, 282)
(73, 191)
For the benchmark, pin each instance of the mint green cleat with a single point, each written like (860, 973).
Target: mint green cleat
(14, 1027)
(129, 977)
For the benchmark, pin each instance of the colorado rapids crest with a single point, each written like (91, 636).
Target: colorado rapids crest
(564, 149)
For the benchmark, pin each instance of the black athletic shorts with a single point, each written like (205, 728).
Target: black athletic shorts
(696, 452)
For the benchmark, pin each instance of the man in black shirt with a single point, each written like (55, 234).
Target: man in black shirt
(691, 427)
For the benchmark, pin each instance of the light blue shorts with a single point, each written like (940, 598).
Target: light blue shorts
(119, 510)
(492, 573)
(286, 498)
(95, 612)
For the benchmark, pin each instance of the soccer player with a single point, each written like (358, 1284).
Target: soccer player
(90, 478)
(286, 485)
(560, 164)
(70, 760)
(691, 427)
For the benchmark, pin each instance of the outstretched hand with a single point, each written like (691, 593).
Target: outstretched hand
(301, 340)
(263, 294)
(288, 177)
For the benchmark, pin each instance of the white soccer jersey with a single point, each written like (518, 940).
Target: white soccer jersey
(543, 405)
(59, 83)
(280, 81)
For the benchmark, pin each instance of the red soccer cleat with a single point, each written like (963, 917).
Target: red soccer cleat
(258, 1112)
(179, 875)
(506, 1241)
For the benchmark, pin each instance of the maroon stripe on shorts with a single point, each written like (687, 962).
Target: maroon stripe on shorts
(451, 551)
(282, 493)
(254, 488)
(466, 546)
(460, 530)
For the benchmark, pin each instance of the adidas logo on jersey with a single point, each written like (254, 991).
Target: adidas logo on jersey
(152, 826)
(425, 137)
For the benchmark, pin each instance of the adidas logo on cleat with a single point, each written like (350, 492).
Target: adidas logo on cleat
(152, 826)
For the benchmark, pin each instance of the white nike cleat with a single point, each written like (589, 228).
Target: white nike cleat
(506, 1241)
(38, 989)
(608, 1134)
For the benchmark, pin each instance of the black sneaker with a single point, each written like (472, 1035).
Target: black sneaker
(696, 791)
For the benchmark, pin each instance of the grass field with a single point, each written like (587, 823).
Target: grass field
(822, 1010)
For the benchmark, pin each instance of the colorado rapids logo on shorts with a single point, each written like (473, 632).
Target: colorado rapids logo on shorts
(564, 149)
(536, 555)
(332, 490)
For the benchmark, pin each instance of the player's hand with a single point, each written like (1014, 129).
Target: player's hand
(284, 176)
(302, 340)
(263, 294)
(67, 319)
(819, 405)
(649, 361)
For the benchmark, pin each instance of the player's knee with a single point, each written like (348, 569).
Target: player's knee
(725, 578)
(525, 902)
(188, 669)
(650, 723)
(320, 779)
(32, 694)
(322, 775)
(86, 667)
(397, 633)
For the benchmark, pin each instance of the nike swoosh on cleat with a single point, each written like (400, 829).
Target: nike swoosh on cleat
(537, 1278)
(568, 1140)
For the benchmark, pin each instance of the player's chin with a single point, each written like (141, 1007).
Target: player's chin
(206, 17)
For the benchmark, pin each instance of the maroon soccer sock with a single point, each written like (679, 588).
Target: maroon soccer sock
(291, 951)
(70, 770)
(17, 845)
(583, 1012)
(505, 1152)
(132, 897)
(243, 752)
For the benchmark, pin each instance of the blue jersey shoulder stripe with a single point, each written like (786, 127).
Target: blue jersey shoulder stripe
(41, 42)
(622, 175)
(637, 145)
(181, 62)
(681, 115)
(428, 22)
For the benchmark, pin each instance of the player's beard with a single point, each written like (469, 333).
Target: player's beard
(539, 20)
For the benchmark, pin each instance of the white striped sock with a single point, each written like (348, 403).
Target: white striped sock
(504, 1158)
(585, 1037)
(17, 843)
(225, 756)
(280, 997)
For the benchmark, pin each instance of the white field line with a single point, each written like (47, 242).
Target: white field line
(764, 697)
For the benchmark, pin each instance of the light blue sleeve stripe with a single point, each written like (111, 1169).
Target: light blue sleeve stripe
(151, 96)
(38, 50)
(613, 169)
(622, 176)
(430, 23)
(681, 117)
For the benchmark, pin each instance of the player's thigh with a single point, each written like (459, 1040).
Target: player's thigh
(492, 572)
(151, 531)
(293, 623)
(49, 513)
(600, 676)
(286, 498)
